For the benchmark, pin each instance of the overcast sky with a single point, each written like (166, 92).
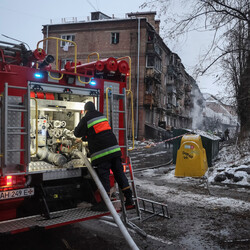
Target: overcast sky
(23, 20)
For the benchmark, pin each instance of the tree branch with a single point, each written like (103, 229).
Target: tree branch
(231, 8)
(220, 56)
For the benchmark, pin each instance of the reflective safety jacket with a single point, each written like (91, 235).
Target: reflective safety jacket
(102, 142)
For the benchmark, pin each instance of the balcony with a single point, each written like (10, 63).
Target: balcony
(171, 81)
(188, 102)
(172, 71)
(153, 74)
(149, 99)
(179, 111)
(180, 93)
(171, 89)
(169, 108)
(150, 47)
(188, 87)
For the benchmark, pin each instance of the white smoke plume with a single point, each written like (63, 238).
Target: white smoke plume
(197, 110)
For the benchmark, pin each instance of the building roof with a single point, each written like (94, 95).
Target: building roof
(88, 22)
(141, 13)
(98, 15)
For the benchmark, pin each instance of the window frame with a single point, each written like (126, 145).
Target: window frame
(147, 64)
(113, 37)
(157, 63)
(63, 43)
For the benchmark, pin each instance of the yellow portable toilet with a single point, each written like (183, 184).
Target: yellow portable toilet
(191, 157)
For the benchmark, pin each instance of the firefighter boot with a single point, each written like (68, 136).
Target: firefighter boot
(129, 199)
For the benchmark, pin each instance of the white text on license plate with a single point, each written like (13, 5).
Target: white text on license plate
(11, 194)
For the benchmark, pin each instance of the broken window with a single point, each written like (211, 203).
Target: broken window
(149, 88)
(115, 37)
(150, 61)
(69, 37)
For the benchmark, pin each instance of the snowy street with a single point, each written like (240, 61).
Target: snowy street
(204, 214)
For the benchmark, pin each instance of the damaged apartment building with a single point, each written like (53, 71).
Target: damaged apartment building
(161, 86)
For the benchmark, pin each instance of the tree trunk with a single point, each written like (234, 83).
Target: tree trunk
(244, 101)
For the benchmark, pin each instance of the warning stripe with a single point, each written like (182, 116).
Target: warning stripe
(105, 152)
(90, 124)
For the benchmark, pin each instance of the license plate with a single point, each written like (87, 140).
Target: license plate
(11, 194)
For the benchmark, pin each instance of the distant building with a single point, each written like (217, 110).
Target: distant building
(160, 84)
(218, 116)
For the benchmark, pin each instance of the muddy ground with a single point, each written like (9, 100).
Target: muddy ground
(194, 224)
(198, 226)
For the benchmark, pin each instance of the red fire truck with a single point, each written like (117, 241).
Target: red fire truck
(42, 179)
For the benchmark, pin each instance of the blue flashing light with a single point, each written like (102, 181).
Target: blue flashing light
(92, 83)
(38, 75)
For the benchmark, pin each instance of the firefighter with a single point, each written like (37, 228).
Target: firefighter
(105, 152)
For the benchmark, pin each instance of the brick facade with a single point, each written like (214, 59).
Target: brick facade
(157, 99)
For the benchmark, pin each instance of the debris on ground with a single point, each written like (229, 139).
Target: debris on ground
(231, 167)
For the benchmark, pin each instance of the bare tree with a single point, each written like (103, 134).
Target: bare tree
(229, 20)
(235, 65)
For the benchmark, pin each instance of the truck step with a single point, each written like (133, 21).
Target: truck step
(58, 218)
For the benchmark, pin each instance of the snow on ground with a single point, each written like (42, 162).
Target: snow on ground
(188, 198)
(231, 167)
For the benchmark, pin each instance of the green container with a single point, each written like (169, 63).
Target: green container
(209, 142)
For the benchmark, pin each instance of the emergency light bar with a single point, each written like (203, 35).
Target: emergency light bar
(38, 75)
(92, 83)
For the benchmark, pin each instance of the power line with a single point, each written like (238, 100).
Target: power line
(92, 5)
(22, 13)
(97, 4)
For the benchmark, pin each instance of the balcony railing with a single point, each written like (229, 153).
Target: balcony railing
(153, 74)
(150, 47)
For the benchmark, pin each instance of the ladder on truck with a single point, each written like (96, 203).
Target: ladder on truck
(121, 109)
(15, 129)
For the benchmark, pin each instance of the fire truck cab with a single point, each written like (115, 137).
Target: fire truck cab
(41, 175)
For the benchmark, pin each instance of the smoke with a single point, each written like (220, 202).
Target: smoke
(197, 110)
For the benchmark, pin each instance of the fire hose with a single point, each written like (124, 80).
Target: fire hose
(109, 204)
